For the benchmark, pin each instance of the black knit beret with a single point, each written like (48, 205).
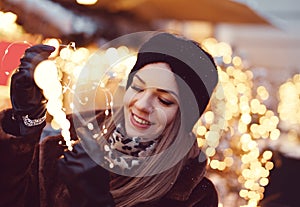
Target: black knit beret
(194, 69)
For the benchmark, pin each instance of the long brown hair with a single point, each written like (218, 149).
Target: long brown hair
(129, 191)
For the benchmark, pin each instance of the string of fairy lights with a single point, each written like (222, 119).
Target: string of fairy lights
(234, 131)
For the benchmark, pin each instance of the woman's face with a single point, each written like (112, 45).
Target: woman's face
(151, 101)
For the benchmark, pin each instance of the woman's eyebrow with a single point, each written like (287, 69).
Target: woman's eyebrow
(140, 79)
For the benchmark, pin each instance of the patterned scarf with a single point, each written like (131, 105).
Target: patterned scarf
(126, 152)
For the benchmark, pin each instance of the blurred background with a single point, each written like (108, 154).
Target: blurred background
(251, 130)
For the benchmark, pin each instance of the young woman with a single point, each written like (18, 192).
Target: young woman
(147, 157)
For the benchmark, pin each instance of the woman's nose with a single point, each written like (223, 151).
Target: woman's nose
(145, 102)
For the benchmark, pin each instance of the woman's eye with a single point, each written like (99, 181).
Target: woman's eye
(136, 88)
(165, 101)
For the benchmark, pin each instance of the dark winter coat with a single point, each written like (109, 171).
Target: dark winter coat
(29, 177)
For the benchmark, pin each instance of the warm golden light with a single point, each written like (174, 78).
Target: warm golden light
(262, 92)
(209, 117)
(46, 77)
(86, 2)
(237, 61)
(269, 165)
(9, 29)
(53, 42)
(201, 130)
(244, 123)
(267, 155)
(289, 111)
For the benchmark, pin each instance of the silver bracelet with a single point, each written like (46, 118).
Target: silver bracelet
(33, 122)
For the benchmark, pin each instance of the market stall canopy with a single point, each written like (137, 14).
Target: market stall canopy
(214, 11)
(282, 14)
(109, 19)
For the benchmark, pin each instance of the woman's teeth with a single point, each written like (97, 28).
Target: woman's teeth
(141, 121)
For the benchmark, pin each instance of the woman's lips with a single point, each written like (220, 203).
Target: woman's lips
(139, 122)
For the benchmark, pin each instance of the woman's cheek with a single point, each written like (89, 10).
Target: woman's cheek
(171, 114)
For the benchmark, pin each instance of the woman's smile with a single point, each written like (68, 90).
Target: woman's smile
(140, 122)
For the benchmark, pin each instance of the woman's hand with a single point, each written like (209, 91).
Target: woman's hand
(28, 101)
